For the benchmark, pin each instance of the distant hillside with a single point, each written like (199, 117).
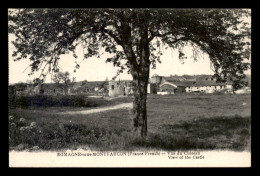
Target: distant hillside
(188, 77)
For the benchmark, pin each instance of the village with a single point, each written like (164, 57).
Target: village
(161, 85)
(184, 112)
(129, 87)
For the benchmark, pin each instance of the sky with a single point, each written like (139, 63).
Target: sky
(95, 69)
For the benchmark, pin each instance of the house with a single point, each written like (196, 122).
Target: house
(167, 85)
(176, 84)
(82, 87)
(173, 87)
(209, 86)
(90, 88)
(120, 88)
(51, 89)
(23, 89)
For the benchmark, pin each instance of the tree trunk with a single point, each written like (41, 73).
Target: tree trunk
(139, 106)
(140, 68)
(140, 79)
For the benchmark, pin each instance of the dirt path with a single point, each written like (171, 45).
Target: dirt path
(91, 111)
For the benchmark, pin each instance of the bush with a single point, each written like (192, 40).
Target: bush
(49, 100)
(29, 135)
(23, 134)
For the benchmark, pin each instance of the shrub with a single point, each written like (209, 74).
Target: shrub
(23, 133)
(49, 100)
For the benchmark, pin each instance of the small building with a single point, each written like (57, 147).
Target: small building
(20, 89)
(52, 89)
(173, 87)
(120, 88)
(92, 88)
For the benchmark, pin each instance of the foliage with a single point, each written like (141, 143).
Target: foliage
(61, 77)
(23, 134)
(43, 35)
(63, 80)
(49, 100)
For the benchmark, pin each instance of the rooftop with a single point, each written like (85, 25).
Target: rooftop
(197, 84)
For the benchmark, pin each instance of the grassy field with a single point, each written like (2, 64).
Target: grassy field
(175, 122)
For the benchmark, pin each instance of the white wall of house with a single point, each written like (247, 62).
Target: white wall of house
(203, 88)
(208, 89)
(229, 86)
(193, 88)
(165, 93)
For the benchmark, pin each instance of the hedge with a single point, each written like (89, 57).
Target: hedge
(50, 100)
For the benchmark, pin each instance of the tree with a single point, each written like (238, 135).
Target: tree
(29, 82)
(104, 86)
(135, 38)
(63, 81)
(39, 83)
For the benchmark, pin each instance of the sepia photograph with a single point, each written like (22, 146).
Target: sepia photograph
(129, 87)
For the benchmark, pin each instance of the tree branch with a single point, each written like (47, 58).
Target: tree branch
(110, 33)
(153, 34)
